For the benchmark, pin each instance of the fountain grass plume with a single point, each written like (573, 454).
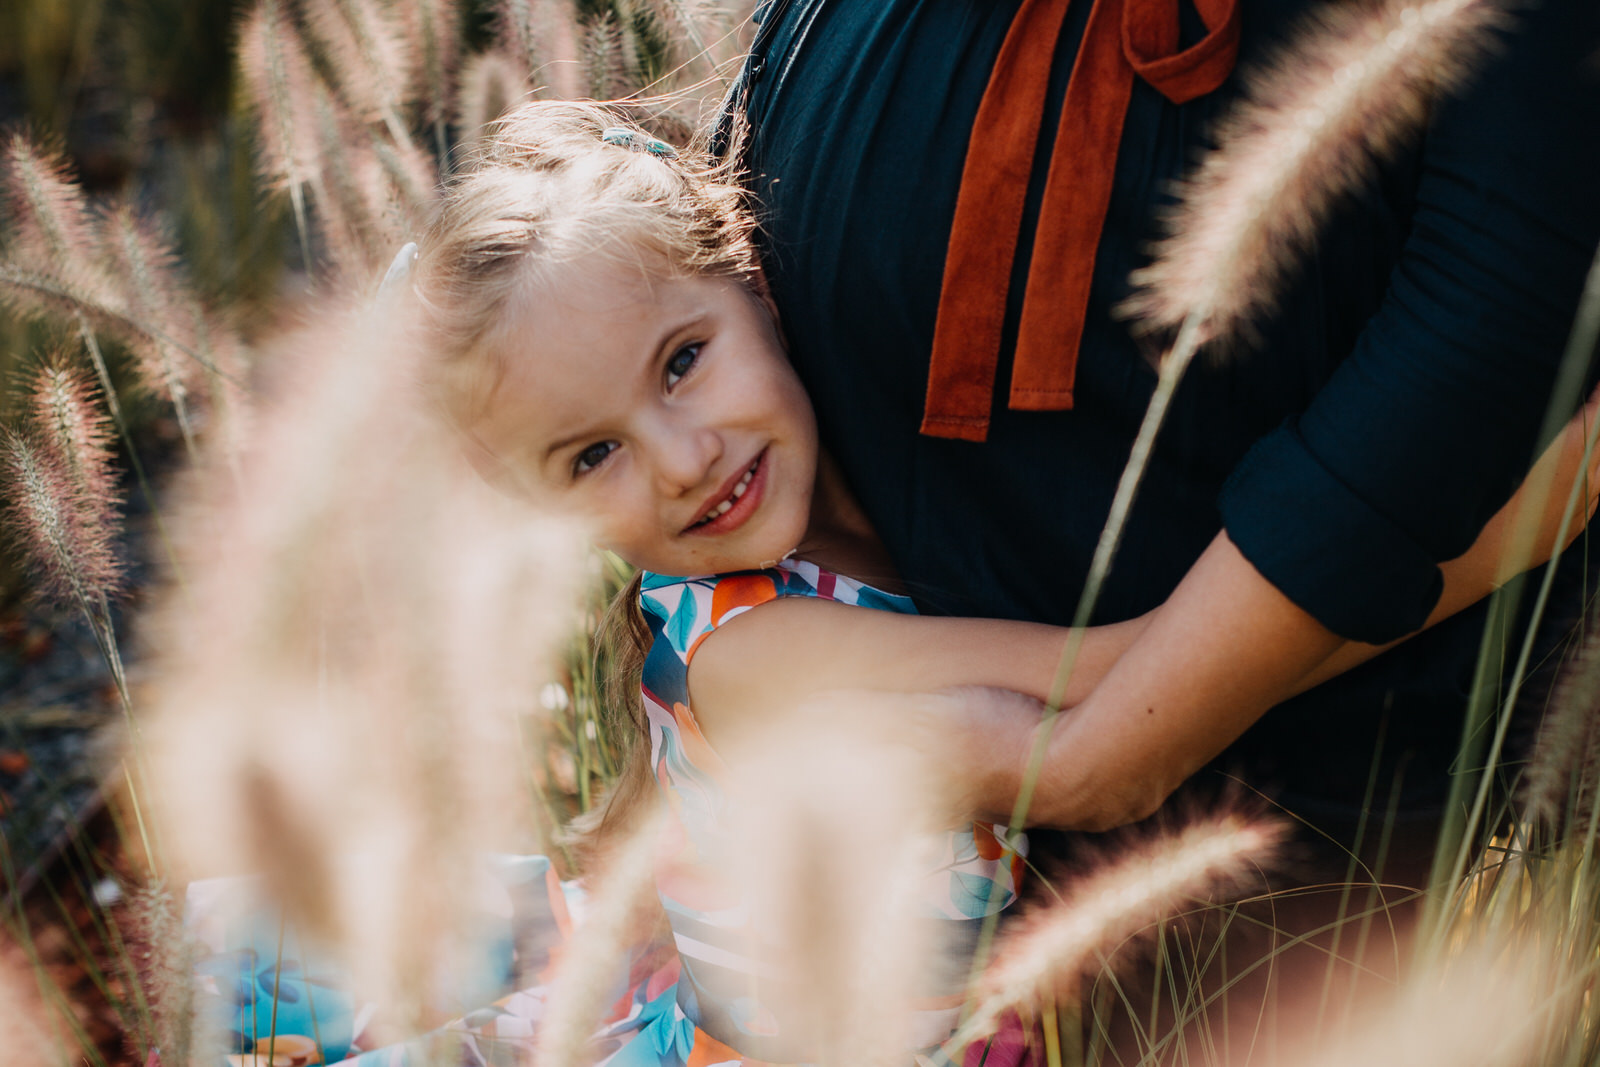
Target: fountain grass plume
(163, 956)
(1052, 948)
(622, 907)
(688, 22)
(432, 31)
(491, 84)
(348, 203)
(834, 843)
(1561, 772)
(1497, 1001)
(367, 59)
(149, 273)
(1350, 89)
(69, 554)
(63, 404)
(606, 67)
(279, 80)
(48, 216)
(542, 36)
(364, 615)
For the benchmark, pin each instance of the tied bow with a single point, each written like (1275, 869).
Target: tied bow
(1123, 38)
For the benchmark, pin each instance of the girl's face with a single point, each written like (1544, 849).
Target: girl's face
(663, 409)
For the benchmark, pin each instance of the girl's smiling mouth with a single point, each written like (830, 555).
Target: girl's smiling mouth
(736, 501)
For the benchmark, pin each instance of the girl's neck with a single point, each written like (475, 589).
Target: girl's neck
(839, 537)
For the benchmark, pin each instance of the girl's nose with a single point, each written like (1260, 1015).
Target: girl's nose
(686, 458)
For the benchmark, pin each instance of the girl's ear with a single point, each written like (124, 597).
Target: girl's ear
(763, 291)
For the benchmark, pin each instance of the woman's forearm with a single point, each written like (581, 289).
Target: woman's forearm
(1225, 647)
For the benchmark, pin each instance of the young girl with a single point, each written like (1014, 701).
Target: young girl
(607, 347)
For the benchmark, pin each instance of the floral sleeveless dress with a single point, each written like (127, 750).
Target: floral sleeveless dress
(688, 1002)
(698, 1009)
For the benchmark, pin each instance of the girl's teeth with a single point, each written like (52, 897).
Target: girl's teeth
(738, 491)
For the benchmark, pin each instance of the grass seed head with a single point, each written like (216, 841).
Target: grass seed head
(1352, 87)
(157, 295)
(280, 83)
(51, 228)
(64, 405)
(542, 36)
(432, 32)
(69, 554)
(1054, 946)
(367, 55)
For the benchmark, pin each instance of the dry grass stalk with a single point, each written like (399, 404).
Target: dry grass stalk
(621, 908)
(1051, 949)
(70, 553)
(279, 80)
(542, 35)
(364, 629)
(1349, 90)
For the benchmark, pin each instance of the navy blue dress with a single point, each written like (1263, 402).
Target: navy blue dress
(1390, 408)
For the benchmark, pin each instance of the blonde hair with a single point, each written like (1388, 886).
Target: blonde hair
(553, 181)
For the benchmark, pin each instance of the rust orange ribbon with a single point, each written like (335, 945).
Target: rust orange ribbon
(1123, 38)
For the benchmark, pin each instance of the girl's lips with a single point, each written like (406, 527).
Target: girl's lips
(743, 506)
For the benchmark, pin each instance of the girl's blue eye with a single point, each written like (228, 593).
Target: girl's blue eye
(593, 456)
(680, 363)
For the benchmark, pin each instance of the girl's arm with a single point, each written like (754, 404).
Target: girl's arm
(1156, 697)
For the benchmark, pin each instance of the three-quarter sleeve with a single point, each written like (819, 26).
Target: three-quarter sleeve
(1425, 430)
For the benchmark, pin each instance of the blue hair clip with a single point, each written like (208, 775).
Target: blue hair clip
(623, 137)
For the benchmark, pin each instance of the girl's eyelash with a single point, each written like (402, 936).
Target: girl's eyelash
(676, 376)
(579, 469)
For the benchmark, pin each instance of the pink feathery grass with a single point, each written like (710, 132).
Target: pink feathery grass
(70, 555)
(622, 907)
(1053, 947)
(606, 64)
(432, 31)
(279, 80)
(149, 273)
(358, 612)
(542, 36)
(65, 406)
(1498, 999)
(51, 227)
(1350, 89)
(1562, 771)
(491, 84)
(368, 58)
(834, 842)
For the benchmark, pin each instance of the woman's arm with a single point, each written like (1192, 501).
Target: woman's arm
(1156, 697)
